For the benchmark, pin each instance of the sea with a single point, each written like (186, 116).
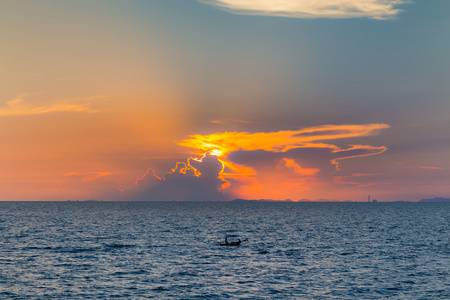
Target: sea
(171, 250)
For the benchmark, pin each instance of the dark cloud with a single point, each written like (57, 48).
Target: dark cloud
(191, 181)
(326, 160)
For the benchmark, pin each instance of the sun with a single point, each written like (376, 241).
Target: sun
(216, 152)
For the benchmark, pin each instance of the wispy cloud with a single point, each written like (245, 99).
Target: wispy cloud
(355, 179)
(19, 107)
(280, 141)
(375, 9)
(230, 122)
(88, 176)
(431, 168)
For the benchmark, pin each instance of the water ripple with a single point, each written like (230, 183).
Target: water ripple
(171, 251)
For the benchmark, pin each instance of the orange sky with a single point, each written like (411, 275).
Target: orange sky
(102, 99)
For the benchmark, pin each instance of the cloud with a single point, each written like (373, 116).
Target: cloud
(18, 107)
(358, 180)
(87, 185)
(89, 176)
(230, 122)
(375, 9)
(291, 163)
(284, 163)
(195, 180)
(280, 141)
(296, 170)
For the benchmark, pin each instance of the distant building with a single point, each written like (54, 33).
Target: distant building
(368, 199)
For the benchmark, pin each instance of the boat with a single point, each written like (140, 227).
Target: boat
(237, 243)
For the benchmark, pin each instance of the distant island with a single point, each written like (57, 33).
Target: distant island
(288, 200)
(89, 200)
(261, 200)
(285, 200)
(436, 199)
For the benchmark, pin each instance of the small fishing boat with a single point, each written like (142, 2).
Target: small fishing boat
(237, 243)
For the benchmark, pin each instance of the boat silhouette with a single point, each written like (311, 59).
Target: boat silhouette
(236, 243)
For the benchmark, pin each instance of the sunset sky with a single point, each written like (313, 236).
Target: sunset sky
(224, 99)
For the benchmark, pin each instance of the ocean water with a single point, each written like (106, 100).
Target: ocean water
(157, 250)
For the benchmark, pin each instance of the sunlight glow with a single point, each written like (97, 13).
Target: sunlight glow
(222, 144)
(216, 152)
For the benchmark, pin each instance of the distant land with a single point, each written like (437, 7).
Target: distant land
(286, 200)
(436, 199)
(89, 200)
(261, 200)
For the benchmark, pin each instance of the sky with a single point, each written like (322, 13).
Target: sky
(212, 100)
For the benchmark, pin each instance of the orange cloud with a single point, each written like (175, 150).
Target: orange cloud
(89, 176)
(281, 169)
(290, 163)
(280, 141)
(18, 107)
(432, 168)
(149, 170)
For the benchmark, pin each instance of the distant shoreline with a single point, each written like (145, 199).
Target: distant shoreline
(436, 199)
(433, 200)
